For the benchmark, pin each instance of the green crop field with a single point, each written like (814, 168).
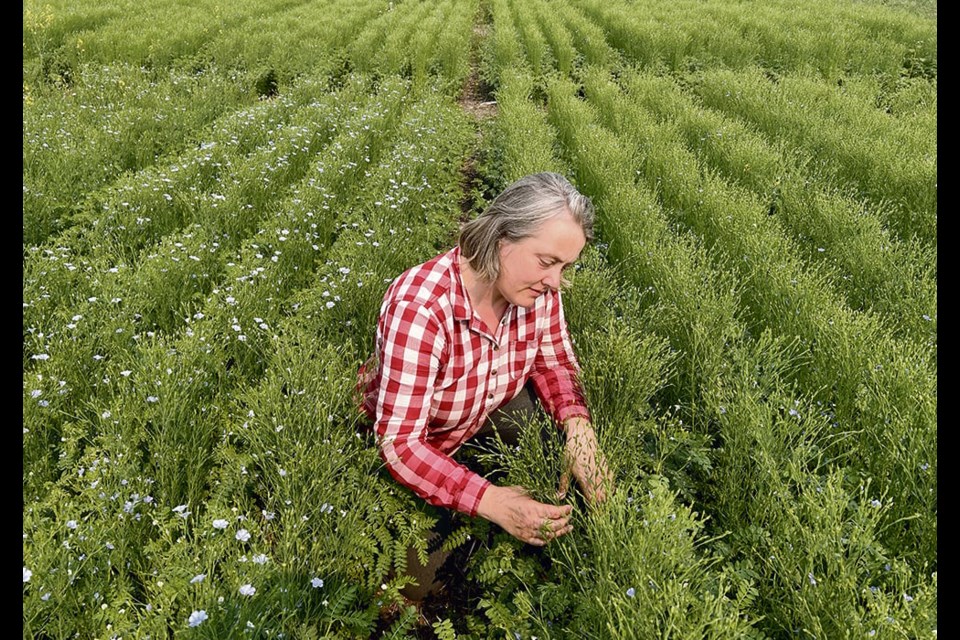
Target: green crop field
(216, 195)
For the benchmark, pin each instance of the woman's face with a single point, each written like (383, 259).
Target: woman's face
(531, 266)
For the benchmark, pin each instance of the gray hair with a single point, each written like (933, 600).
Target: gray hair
(517, 213)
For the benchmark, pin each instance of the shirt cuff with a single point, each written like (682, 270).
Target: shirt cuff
(572, 411)
(469, 500)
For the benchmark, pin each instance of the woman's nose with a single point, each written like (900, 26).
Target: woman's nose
(552, 278)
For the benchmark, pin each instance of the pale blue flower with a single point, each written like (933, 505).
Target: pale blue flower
(27, 574)
(71, 524)
(197, 617)
(198, 578)
(243, 535)
(247, 590)
(631, 592)
(220, 523)
(260, 558)
(317, 583)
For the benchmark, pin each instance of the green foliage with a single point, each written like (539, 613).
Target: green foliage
(214, 200)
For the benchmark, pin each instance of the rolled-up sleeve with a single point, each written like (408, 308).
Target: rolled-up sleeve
(412, 344)
(556, 372)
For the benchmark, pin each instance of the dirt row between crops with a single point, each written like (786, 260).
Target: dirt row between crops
(477, 101)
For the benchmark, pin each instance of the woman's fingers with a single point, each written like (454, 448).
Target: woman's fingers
(524, 518)
(564, 485)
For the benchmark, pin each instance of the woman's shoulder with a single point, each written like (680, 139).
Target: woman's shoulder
(426, 284)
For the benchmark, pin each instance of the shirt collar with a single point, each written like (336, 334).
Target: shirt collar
(462, 310)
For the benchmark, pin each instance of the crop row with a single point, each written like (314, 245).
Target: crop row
(743, 394)
(115, 118)
(159, 293)
(196, 420)
(659, 568)
(866, 376)
(827, 38)
(874, 270)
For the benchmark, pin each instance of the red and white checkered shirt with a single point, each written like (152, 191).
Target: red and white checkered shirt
(439, 371)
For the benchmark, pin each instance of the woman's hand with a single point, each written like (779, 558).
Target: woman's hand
(523, 517)
(585, 461)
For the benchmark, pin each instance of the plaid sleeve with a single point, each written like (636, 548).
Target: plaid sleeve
(556, 372)
(413, 344)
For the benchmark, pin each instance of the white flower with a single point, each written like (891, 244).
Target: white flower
(220, 523)
(41, 356)
(631, 592)
(317, 583)
(45, 596)
(247, 590)
(71, 524)
(198, 578)
(812, 579)
(197, 617)
(27, 574)
(35, 393)
(126, 373)
(875, 503)
(260, 558)
(153, 399)
(243, 535)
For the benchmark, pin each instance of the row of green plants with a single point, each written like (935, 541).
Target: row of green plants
(850, 352)
(102, 113)
(826, 38)
(871, 268)
(758, 383)
(637, 566)
(166, 289)
(891, 161)
(194, 324)
(210, 439)
(114, 119)
(117, 224)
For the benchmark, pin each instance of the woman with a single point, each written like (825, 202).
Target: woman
(461, 335)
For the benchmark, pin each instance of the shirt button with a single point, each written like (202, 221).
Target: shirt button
(496, 347)
(494, 372)
(490, 396)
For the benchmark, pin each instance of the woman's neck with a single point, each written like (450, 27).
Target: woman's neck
(484, 296)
